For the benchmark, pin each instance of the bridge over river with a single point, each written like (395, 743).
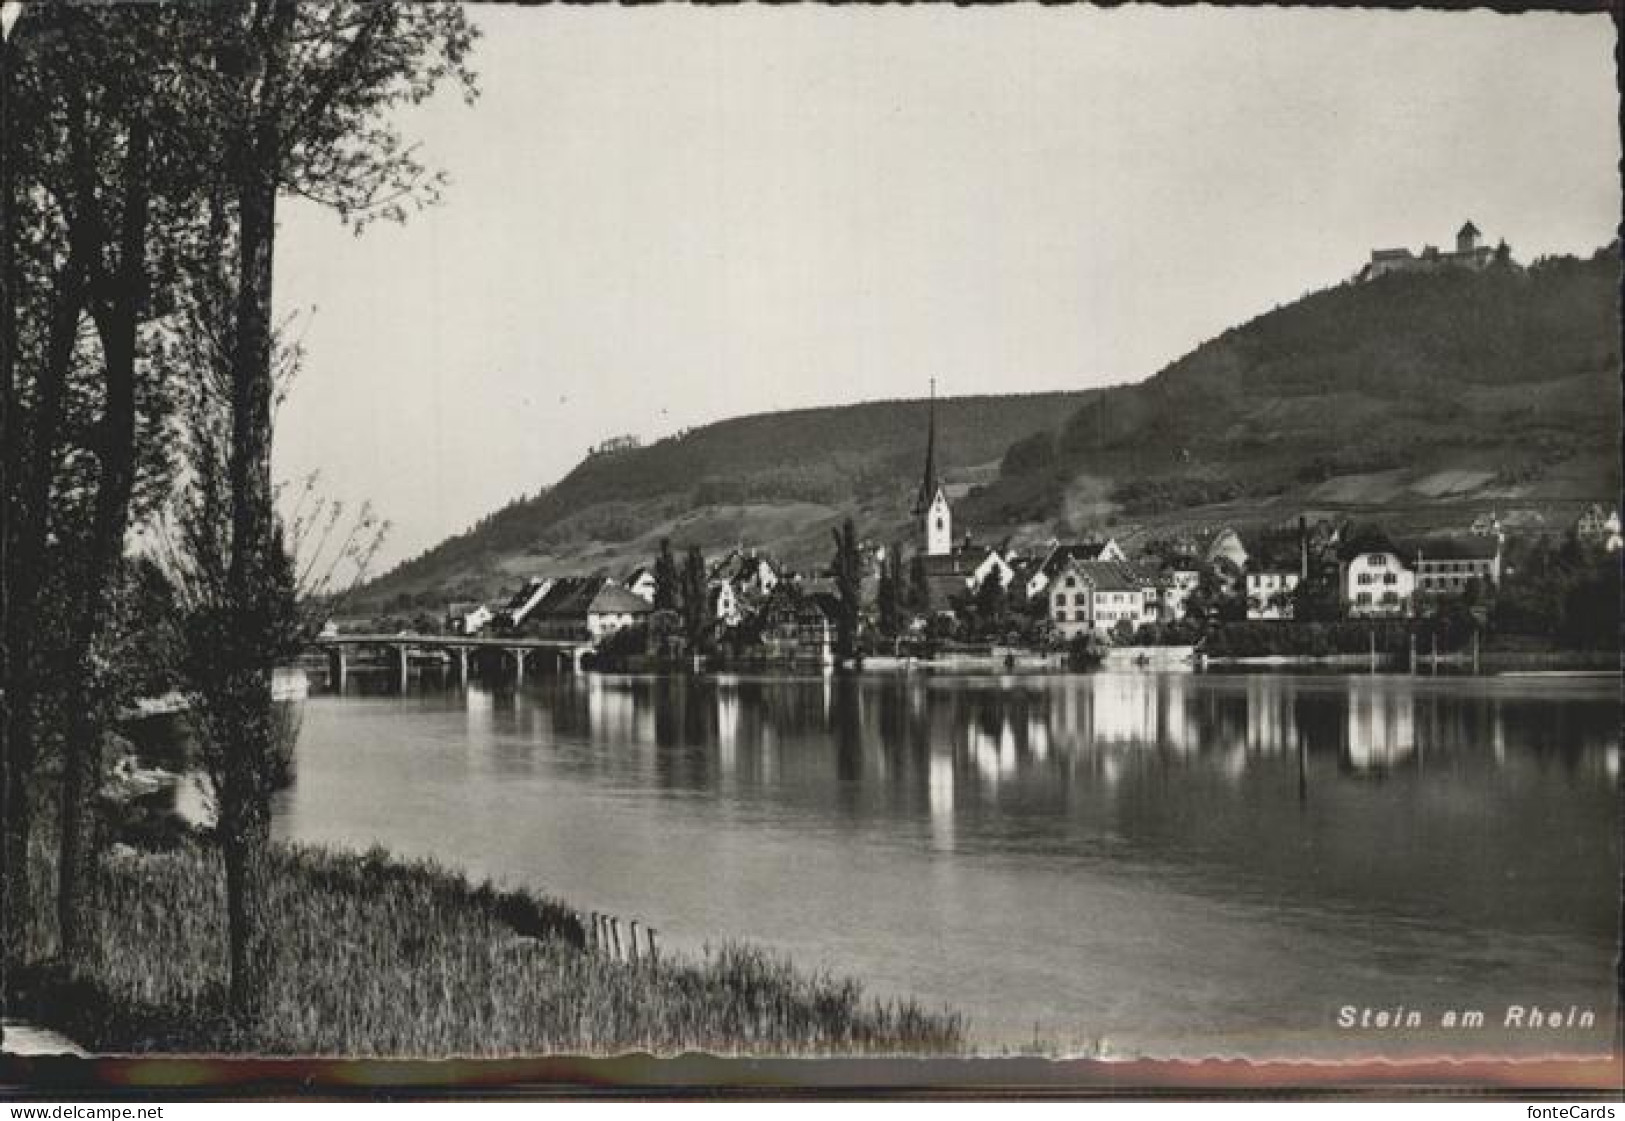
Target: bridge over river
(514, 651)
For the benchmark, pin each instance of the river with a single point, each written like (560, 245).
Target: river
(1137, 863)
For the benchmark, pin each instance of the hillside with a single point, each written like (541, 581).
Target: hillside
(1423, 398)
(1417, 396)
(781, 480)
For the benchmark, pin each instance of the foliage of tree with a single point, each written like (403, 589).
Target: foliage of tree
(1177, 632)
(668, 591)
(98, 241)
(847, 568)
(1567, 592)
(986, 614)
(1319, 599)
(918, 599)
(889, 594)
(696, 600)
(1256, 638)
(297, 100)
(1218, 596)
(626, 642)
(159, 139)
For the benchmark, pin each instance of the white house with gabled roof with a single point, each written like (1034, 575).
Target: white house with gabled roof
(1093, 596)
(1377, 582)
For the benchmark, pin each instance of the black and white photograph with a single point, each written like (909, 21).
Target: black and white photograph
(1084, 535)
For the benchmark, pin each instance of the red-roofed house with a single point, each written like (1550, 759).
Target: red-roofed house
(1059, 556)
(614, 608)
(1096, 595)
(585, 607)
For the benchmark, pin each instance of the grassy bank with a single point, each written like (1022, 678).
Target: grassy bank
(381, 958)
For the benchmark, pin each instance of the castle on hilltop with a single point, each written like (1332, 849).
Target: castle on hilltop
(615, 445)
(1469, 254)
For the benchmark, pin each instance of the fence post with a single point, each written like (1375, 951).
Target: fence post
(615, 938)
(654, 957)
(632, 942)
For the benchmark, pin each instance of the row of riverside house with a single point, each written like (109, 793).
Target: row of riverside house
(1094, 588)
(1091, 587)
(595, 606)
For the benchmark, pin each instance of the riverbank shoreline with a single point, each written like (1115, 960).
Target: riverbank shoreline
(372, 956)
(1488, 664)
(1143, 658)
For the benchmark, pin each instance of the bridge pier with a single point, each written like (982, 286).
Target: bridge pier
(338, 669)
(519, 655)
(462, 667)
(402, 653)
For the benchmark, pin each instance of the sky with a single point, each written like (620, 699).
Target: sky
(658, 217)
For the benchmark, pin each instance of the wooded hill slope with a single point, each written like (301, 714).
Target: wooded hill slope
(778, 480)
(1501, 385)
(1420, 399)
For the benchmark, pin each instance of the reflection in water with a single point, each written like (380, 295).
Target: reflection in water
(944, 747)
(1000, 727)
(1381, 724)
(1130, 852)
(942, 801)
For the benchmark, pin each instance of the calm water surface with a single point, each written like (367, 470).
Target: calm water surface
(1169, 864)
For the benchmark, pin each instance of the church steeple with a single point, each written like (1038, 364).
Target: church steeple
(931, 504)
(929, 484)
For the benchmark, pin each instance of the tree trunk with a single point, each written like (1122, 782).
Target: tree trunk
(246, 727)
(81, 775)
(29, 465)
(19, 820)
(117, 312)
(245, 842)
(247, 856)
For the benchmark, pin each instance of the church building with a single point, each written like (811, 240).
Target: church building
(952, 571)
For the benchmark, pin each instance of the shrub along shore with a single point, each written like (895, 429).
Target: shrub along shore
(379, 957)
